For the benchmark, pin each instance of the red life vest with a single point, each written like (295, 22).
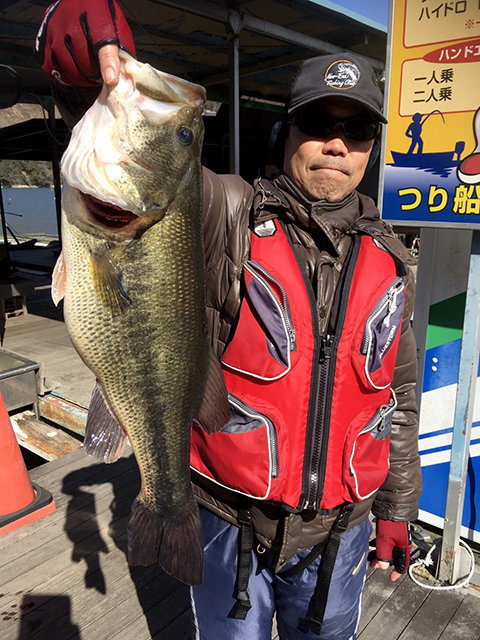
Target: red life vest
(310, 414)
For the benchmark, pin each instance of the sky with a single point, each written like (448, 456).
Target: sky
(375, 11)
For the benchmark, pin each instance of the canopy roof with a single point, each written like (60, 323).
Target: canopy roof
(193, 39)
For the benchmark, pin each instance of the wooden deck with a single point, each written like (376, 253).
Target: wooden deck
(41, 336)
(66, 576)
(406, 611)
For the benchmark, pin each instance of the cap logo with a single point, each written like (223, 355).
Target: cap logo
(342, 74)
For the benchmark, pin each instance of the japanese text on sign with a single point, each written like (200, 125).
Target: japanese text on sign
(450, 20)
(455, 87)
(466, 199)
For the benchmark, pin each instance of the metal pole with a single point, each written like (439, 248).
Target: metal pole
(4, 228)
(234, 27)
(55, 166)
(449, 568)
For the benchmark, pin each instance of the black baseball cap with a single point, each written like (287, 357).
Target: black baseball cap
(347, 75)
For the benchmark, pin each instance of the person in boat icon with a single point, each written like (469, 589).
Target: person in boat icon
(414, 131)
(417, 157)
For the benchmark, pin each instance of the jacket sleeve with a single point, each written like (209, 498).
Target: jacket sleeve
(226, 209)
(398, 497)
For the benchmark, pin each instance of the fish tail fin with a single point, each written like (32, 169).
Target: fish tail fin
(173, 539)
(104, 437)
(214, 412)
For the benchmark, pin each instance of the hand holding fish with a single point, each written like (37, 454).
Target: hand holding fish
(109, 62)
(78, 40)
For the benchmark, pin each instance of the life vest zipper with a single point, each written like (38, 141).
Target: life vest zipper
(380, 416)
(317, 461)
(272, 434)
(389, 301)
(326, 367)
(264, 277)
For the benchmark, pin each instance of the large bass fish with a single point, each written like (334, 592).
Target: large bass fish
(132, 277)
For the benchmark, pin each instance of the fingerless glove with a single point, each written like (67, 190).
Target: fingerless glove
(70, 35)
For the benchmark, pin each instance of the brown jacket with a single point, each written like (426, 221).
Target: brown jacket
(321, 233)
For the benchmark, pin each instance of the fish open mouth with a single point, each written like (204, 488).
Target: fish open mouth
(109, 215)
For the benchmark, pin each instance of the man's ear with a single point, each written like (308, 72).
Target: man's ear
(374, 153)
(276, 145)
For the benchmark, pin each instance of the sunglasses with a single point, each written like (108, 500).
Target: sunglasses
(322, 125)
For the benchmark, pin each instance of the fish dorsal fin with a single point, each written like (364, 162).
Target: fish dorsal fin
(104, 437)
(59, 280)
(215, 411)
(108, 280)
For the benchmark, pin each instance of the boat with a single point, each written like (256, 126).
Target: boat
(429, 160)
(22, 244)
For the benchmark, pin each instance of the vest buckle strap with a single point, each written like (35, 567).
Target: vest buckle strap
(245, 545)
(313, 621)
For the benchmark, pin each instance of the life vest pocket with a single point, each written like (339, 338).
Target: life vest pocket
(265, 336)
(247, 442)
(366, 461)
(381, 332)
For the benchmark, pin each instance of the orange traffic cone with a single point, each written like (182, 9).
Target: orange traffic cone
(21, 501)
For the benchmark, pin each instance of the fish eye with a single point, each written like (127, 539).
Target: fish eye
(185, 135)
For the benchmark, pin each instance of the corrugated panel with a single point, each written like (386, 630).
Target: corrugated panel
(179, 40)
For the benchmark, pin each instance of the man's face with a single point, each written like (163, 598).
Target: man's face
(329, 167)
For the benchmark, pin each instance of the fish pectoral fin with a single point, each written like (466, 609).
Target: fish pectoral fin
(173, 538)
(214, 412)
(108, 280)
(104, 437)
(59, 280)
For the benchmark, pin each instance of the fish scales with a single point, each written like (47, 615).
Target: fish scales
(132, 276)
(159, 360)
(158, 353)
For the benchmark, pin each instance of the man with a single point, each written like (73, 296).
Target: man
(308, 301)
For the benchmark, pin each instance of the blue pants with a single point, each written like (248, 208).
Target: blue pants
(270, 593)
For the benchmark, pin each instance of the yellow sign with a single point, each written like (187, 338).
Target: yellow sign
(427, 22)
(431, 154)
